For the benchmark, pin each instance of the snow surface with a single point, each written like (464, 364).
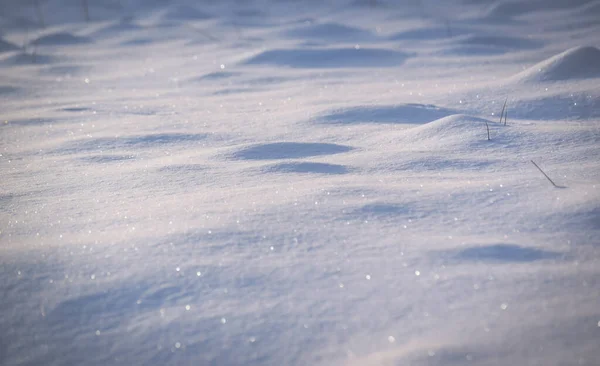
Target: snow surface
(299, 182)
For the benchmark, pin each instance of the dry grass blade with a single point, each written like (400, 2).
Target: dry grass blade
(488, 130)
(503, 107)
(545, 175)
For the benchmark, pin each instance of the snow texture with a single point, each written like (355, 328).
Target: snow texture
(267, 182)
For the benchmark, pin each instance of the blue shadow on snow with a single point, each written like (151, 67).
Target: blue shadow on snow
(330, 58)
(502, 253)
(288, 150)
(307, 168)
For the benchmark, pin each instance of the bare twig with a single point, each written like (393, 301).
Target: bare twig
(505, 116)
(545, 175)
(503, 107)
(488, 130)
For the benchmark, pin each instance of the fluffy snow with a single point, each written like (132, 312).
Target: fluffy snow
(575, 63)
(299, 182)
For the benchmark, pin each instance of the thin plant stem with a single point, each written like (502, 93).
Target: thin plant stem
(545, 175)
(503, 107)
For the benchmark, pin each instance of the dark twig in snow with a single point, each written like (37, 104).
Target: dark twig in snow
(488, 130)
(545, 175)
(503, 107)
(505, 116)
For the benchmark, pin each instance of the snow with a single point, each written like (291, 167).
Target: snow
(574, 63)
(6, 46)
(299, 183)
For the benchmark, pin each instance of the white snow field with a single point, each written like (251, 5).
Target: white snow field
(308, 182)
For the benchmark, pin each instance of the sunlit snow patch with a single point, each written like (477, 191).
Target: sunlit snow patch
(454, 132)
(400, 113)
(574, 63)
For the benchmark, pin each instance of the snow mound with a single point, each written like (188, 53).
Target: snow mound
(575, 63)
(401, 113)
(330, 58)
(454, 131)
